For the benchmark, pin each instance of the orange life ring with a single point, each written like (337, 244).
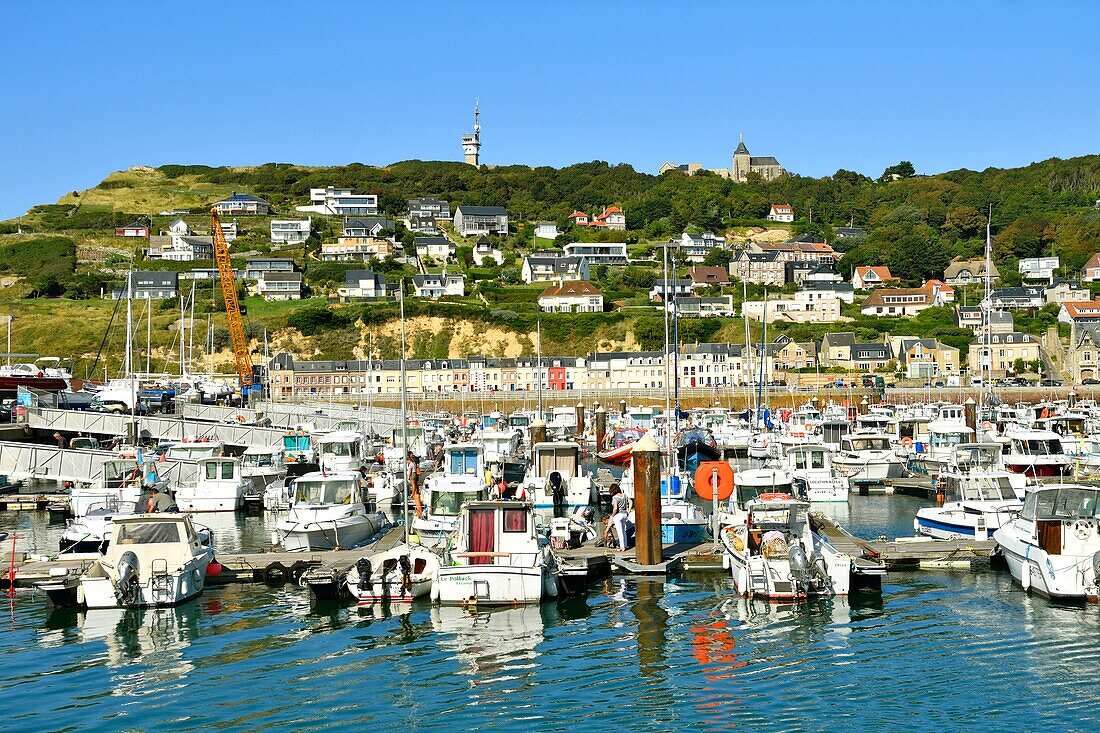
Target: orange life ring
(705, 476)
(907, 442)
(774, 496)
(986, 425)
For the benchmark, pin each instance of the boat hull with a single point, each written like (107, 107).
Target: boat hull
(329, 534)
(488, 585)
(1054, 577)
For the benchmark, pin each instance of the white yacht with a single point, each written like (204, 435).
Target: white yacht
(461, 479)
(1053, 546)
(218, 487)
(498, 558)
(556, 468)
(340, 451)
(775, 554)
(1037, 454)
(327, 513)
(153, 560)
(943, 435)
(867, 458)
(263, 466)
(812, 474)
(979, 495)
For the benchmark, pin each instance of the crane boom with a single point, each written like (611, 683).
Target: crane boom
(232, 305)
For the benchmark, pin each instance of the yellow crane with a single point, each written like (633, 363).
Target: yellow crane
(232, 305)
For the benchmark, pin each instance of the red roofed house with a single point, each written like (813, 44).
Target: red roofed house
(1091, 272)
(1080, 314)
(613, 218)
(573, 296)
(943, 293)
(898, 302)
(781, 212)
(579, 218)
(865, 278)
(702, 277)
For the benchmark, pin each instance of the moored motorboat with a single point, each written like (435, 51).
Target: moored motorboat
(398, 575)
(327, 512)
(979, 495)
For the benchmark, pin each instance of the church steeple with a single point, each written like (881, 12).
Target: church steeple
(741, 149)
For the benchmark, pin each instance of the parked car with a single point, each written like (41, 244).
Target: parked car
(1090, 381)
(1050, 383)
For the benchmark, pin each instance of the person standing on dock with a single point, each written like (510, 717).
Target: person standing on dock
(60, 440)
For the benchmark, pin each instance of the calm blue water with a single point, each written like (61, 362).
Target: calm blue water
(938, 651)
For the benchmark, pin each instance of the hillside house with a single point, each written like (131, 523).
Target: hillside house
(473, 220)
(1038, 268)
(868, 277)
(781, 212)
(696, 247)
(898, 302)
(999, 352)
(180, 248)
(425, 213)
(366, 284)
(1023, 298)
(578, 219)
(243, 203)
(1083, 356)
(1065, 291)
(332, 201)
(280, 285)
(703, 307)
(230, 230)
(575, 296)
(968, 272)
(705, 277)
(546, 230)
(290, 231)
(257, 266)
(439, 285)
(925, 357)
(1090, 273)
(677, 288)
(551, 266)
(828, 289)
(150, 285)
(802, 308)
(438, 249)
(1079, 315)
(487, 254)
(136, 229)
(598, 253)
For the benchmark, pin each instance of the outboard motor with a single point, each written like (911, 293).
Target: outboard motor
(800, 566)
(126, 587)
(1096, 568)
(363, 567)
(820, 572)
(557, 489)
(406, 572)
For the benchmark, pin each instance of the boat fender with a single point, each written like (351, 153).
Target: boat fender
(275, 573)
(297, 570)
(213, 570)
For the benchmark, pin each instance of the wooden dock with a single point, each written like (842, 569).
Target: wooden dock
(906, 553)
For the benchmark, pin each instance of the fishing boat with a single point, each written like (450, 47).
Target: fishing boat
(328, 512)
(867, 458)
(498, 558)
(153, 560)
(1037, 454)
(261, 467)
(461, 478)
(930, 458)
(340, 451)
(192, 449)
(693, 446)
(775, 554)
(556, 471)
(398, 575)
(979, 495)
(1052, 547)
(298, 446)
(219, 486)
(812, 474)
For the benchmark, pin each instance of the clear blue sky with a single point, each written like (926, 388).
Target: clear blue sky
(89, 88)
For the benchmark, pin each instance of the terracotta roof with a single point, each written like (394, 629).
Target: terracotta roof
(1087, 309)
(882, 271)
(1094, 261)
(579, 288)
(578, 215)
(783, 207)
(611, 210)
(944, 288)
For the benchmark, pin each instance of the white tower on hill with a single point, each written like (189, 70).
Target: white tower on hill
(471, 144)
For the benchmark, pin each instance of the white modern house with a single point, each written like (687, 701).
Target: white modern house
(486, 253)
(229, 230)
(1038, 268)
(471, 220)
(781, 212)
(703, 307)
(801, 309)
(439, 285)
(340, 202)
(696, 247)
(677, 288)
(598, 253)
(424, 213)
(290, 231)
(243, 203)
(546, 230)
(280, 286)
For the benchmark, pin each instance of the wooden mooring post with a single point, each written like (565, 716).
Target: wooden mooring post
(647, 501)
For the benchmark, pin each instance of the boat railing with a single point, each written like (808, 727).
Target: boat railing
(513, 558)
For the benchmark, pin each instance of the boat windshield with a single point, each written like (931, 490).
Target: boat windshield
(519, 421)
(974, 455)
(463, 462)
(327, 491)
(987, 488)
(1039, 447)
(347, 449)
(448, 502)
(748, 492)
(258, 460)
(809, 459)
(1071, 502)
(860, 444)
(940, 439)
(153, 533)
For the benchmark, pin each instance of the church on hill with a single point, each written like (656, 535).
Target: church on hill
(743, 164)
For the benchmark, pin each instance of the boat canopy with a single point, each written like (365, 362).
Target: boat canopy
(1061, 503)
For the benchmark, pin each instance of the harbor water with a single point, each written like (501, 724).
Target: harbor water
(937, 651)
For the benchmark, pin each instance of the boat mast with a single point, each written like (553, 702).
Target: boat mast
(538, 363)
(987, 360)
(404, 413)
(183, 333)
(191, 331)
(746, 357)
(129, 357)
(370, 383)
(669, 375)
(760, 379)
(148, 333)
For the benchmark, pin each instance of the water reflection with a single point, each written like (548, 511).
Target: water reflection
(494, 647)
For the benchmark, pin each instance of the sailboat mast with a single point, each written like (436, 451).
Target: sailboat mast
(404, 413)
(148, 334)
(987, 359)
(669, 375)
(746, 357)
(538, 363)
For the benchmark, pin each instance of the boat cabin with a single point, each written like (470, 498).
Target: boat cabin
(1063, 517)
(947, 433)
(774, 525)
(195, 449)
(219, 470)
(874, 422)
(317, 489)
(562, 457)
(1034, 443)
(497, 533)
(161, 542)
(256, 457)
(857, 443)
(833, 431)
(298, 447)
(519, 421)
(809, 458)
(340, 450)
(464, 459)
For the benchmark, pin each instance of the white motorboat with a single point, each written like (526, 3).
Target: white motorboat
(118, 487)
(867, 458)
(1037, 454)
(556, 471)
(218, 487)
(153, 560)
(328, 512)
(192, 449)
(813, 478)
(775, 554)
(1052, 546)
(500, 445)
(943, 435)
(340, 451)
(979, 494)
(398, 575)
(498, 558)
(461, 479)
(262, 467)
